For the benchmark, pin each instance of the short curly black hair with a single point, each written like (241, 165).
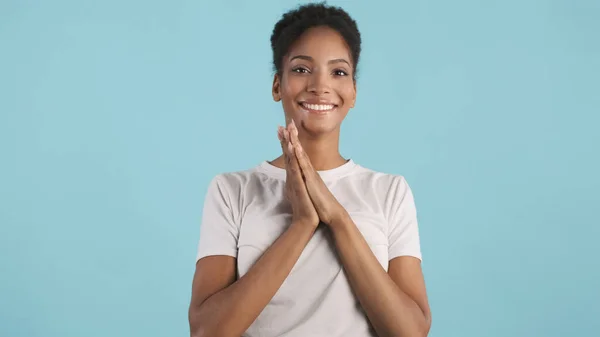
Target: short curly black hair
(295, 22)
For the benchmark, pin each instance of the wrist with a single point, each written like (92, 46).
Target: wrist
(310, 225)
(341, 221)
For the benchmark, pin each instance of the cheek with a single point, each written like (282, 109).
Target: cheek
(291, 86)
(288, 97)
(347, 93)
(290, 90)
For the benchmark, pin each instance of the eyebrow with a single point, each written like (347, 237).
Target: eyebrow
(308, 58)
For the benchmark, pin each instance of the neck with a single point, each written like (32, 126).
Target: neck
(323, 151)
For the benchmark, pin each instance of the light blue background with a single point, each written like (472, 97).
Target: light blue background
(116, 114)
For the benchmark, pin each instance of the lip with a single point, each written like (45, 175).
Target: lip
(317, 102)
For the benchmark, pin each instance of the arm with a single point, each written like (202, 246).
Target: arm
(395, 303)
(221, 307)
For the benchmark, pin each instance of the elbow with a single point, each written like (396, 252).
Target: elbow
(199, 332)
(420, 328)
(424, 326)
(418, 331)
(209, 331)
(198, 326)
(428, 325)
(196, 333)
(195, 326)
(202, 327)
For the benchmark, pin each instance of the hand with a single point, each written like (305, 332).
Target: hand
(303, 210)
(330, 211)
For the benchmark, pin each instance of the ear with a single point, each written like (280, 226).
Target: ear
(353, 96)
(276, 88)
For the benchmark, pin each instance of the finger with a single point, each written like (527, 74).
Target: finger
(281, 139)
(285, 139)
(292, 159)
(294, 135)
(283, 144)
(303, 159)
(293, 128)
(288, 145)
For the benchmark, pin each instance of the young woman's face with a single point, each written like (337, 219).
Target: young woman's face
(316, 85)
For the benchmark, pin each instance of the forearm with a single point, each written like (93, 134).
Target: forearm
(232, 310)
(391, 311)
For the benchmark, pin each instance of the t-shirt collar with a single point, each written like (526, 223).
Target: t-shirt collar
(326, 175)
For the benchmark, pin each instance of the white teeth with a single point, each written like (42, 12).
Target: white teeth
(320, 107)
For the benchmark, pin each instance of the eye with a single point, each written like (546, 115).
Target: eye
(300, 70)
(340, 72)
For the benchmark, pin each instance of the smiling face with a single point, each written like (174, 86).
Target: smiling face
(316, 84)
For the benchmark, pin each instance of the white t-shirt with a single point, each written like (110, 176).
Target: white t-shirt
(245, 212)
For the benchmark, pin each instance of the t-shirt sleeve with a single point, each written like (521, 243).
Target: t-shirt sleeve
(218, 230)
(404, 229)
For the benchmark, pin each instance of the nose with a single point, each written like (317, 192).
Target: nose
(318, 83)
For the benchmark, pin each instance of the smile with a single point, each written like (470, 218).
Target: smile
(318, 108)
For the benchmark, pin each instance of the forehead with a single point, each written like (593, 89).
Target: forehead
(320, 43)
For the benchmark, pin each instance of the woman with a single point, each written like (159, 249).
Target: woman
(311, 243)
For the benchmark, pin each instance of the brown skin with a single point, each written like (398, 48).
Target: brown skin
(395, 302)
(222, 306)
(318, 67)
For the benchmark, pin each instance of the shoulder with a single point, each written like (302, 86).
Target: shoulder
(235, 179)
(384, 183)
(242, 182)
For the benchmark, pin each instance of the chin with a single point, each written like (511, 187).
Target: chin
(316, 123)
(318, 127)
